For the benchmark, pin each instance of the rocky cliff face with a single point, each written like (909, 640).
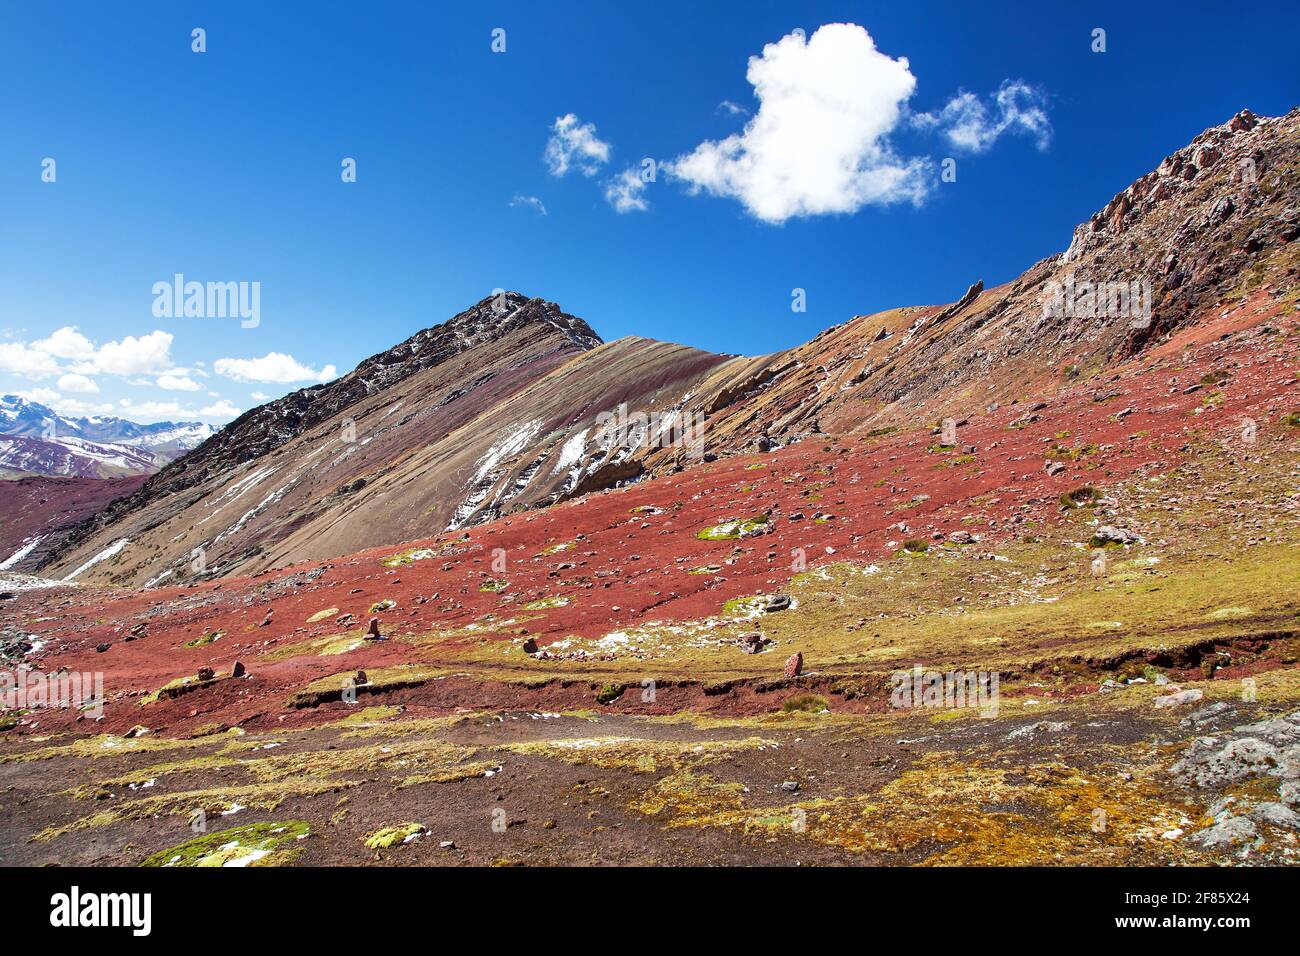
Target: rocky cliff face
(514, 404)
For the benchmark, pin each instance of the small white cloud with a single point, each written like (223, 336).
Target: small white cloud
(66, 343)
(972, 126)
(732, 109)
(625, 191)
(575, 144)
(259, 396)
(531, 202)
(78, 383)
(273, 367)
(148, 412)
(174, 382)
(131, 356)
(222, 410)
(819, 141)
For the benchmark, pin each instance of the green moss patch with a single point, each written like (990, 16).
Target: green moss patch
(256, 844)
(209, 638)
(395, 835)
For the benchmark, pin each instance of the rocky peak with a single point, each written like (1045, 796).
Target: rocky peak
(504, 312)
(535, 329)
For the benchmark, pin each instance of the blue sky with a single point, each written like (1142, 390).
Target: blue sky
(225, 166)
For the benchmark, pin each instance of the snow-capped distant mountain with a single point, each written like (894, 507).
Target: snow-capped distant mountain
(75, 458)
(36, 440)
(24, 418)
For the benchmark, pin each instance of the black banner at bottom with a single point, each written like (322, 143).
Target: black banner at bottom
(304, 905)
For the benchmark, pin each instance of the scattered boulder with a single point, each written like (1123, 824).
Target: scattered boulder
(753, 643)
(237, 669)
(372, 632)
(1108, 534)
(206, 673)
(794, 665)
(1180, 698)
(779, 602)
(530, 646)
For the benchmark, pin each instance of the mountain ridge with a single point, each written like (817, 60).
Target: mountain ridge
(474, 443)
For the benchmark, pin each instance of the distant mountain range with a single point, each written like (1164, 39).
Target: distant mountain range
(36, 440)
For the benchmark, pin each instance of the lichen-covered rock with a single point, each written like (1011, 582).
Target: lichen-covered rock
(1209, 762)
(1179, 699)
(1232, 833)
(1278, 814)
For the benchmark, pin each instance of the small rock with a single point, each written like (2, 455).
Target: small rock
(794, 665)
(1177, 700)
(206, 673)
(790, 786)
(530, 646)
(1108, 533)
(372, 633)
(237, 669)
(101, 648)
(779, 602)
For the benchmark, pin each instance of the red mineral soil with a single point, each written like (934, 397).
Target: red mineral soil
(624, 557)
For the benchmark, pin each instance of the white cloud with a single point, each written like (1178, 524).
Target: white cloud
(72, 407)
(732, 109)
(575, 144)
(131, 356)
(222, 409)
(971, 126)
(66, 343)
(173, 382)
(152, 411)
(273, 367)
(17, 359)
(531, 202)
(259, 396)
(624, 191)
(78, 383)
(819, 142)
